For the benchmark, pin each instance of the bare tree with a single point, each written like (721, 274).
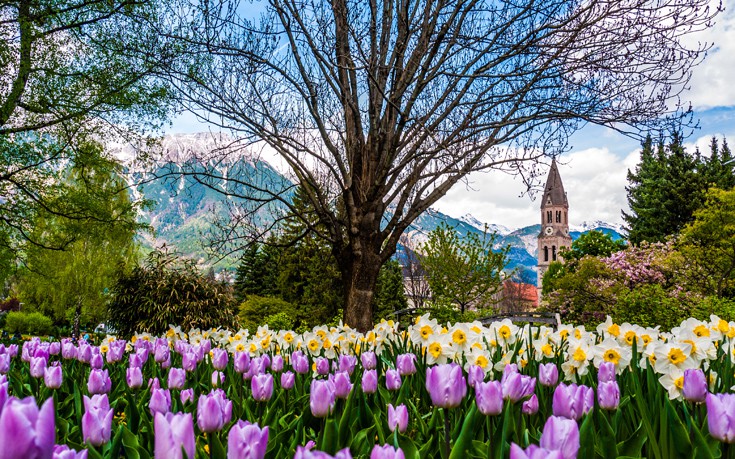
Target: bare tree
(380, 107)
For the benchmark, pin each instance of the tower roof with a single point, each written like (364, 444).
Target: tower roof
(554, 194)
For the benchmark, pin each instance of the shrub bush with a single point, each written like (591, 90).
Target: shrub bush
(167, 290)
(33, 323)
(260, 310)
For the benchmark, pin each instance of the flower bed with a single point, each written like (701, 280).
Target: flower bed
(427, 390)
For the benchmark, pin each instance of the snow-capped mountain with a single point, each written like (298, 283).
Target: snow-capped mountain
(597, 225)
(491, 228)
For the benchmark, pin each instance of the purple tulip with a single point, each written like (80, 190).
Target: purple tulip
(489, 398)
(406, 364)
(572, 401)
(134, 377)
(342, 384)
(398, 418)
(154, 383)
(262, 387)
(247, 441)
(213, 411)
(241, 361)
(84, 352)
(517, 386)
(721, 416)
(386, 452)
(176, 378)
(54, 348)
(218, 378)
(4, 363)
(475, 375)
(446, 385)
(277, 363)
(3, 392)
(347, 363)
(172, 434)
(68, 350)
(606, 372)
(299, 362)
(219, 359)
(12, 350)
(392, 379)
(135, 361)
(561, 435)
(96, 361)
(548, 374)
(116, 351)
(370, 381)
(38, 365)
(99, 382)
(160, 401)
(533, 452)
(161, 353)
(97, 420)
(695, 386)
(530, 406)
(189, 361)
(64, 452)
(288, 379)
(608, 395)
(322, 397)
(26, 431)
(187, 396)
(369, 360)
(52, 376)
(322, 366)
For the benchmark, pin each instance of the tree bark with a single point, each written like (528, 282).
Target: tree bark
(360, 269)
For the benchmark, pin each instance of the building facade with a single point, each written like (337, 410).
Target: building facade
(554, 234)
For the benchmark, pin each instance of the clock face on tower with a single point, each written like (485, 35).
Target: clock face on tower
(549, 230)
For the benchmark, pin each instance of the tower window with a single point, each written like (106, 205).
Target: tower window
(548, 216)
(565, 218)
(558, 216)
(553, 252)
(546, 253)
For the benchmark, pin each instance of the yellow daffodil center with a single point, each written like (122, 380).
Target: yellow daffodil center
(435, 349)
(240, 347)
(723, 326)
(701, 331)
(504, 332)
(577, 334)
(630, 336)
(646, 339)
(564, 333)
(611, 355)
(459, 337)
(546, 349)
(288, 337)
(679, 382)
(579, 355)
(313, 345)
(481, 361)
(676, 356)
(426, 331)
(170, 333)
(614, 329)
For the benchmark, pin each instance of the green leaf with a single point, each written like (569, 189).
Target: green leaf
(330, 437)
(215, 446)
(607, 436)
(587, 438)
(464, 440)
(410, 451)
(633, 445)
(679, 434)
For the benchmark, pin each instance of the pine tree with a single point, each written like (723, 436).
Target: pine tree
(718, 172)
(667, 187)
(390, 294)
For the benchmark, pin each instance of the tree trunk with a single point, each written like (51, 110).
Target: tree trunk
(360, 275)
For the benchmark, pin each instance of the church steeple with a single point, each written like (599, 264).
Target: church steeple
(554, 235)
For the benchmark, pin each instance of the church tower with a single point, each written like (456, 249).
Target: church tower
(554, 223)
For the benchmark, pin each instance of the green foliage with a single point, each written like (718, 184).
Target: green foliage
(96, 245)
(669, 185)
(259, 310)
(257, 272)
(280, 321)
(594, 243)
(33, 323)
(389, 292)
(464, 271)
(166, 290)
(706, 244)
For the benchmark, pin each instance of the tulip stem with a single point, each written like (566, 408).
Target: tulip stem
(446, 433)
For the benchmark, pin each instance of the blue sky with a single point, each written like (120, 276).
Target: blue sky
(594, 170)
